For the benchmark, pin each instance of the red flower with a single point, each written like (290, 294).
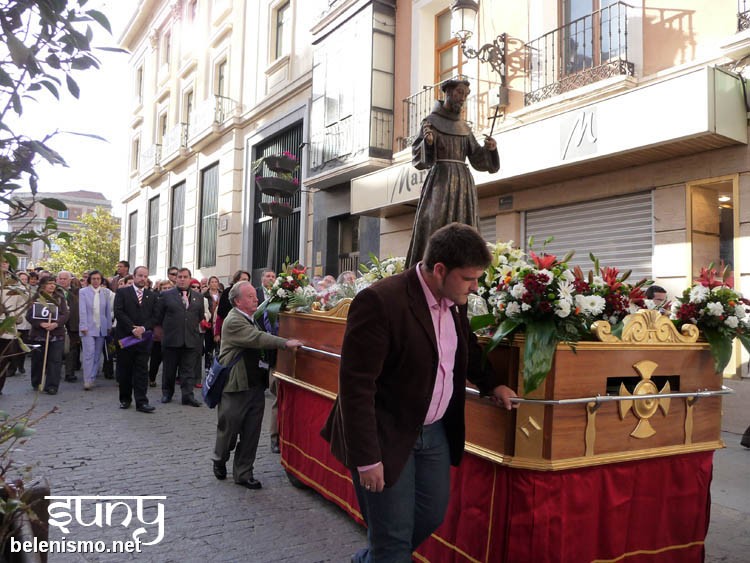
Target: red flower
(707, 278)
(609, 275)
(543, 262)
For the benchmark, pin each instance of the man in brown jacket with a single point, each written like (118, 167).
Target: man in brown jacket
(398, 421)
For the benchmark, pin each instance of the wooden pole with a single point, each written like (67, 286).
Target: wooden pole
(44, 363)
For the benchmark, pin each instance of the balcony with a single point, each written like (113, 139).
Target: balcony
(174, 143)
(363, 134)
(208, 120)
(585, 51)
(743, 15)
(478, 110)
(150, 163)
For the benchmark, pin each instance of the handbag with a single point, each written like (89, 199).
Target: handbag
(216, 379)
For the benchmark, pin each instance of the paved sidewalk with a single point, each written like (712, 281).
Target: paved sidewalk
(91, 447)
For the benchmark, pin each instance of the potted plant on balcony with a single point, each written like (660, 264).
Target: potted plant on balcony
(276, 208)
(282, 182)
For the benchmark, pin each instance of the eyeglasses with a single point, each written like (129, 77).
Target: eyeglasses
(171, 273)
(195, 286)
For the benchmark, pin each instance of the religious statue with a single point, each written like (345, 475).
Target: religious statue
(448, 193)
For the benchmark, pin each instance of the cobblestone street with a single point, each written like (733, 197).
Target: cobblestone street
(91, 447)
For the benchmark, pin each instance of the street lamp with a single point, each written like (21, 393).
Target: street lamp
(463, 21)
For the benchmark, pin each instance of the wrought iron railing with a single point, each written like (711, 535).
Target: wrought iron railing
(743, 15)
(584, 51)
(175, 139)
(150, 158)
(477, 111)
(348, 136)
(349, 262)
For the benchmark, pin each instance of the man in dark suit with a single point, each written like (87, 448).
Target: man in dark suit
(179, 311)
(134, 312)
(398, 421)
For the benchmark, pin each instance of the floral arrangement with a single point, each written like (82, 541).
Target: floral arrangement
(291, 290)
(378, 270)
(720, 312)
(549, 302)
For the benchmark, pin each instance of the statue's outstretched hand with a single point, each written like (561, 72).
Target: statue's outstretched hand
(427, 134)
(490, 144)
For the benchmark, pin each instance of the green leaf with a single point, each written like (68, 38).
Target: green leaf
(745, 339)
(538, 353)
(72, 86)
(479, 322)
(721, 348)
(51, 87)
(53, 203)
(99, 18)
(5, 79)
(506, 328)
(8, 324)
(19, 53)
(617, 329)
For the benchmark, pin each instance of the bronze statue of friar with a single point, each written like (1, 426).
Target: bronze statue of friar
(444, 143)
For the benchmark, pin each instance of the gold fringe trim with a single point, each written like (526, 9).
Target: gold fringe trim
(649, 552)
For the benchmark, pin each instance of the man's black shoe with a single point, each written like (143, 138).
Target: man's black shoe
(166, 399)
(250, 483)
(220, 470)
(191, 402)
(124, 405)
(145, 408)
(51, 391)
(746, 438)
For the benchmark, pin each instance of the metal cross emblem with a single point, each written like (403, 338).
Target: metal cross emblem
(644, 408)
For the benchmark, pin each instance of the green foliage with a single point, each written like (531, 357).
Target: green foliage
(95, 245)
(47, 42)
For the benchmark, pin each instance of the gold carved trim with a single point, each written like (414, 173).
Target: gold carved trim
(336, 315)
(603, 459)
(646, 327)
(305, 385)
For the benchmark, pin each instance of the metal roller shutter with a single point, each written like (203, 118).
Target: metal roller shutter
(618, 231)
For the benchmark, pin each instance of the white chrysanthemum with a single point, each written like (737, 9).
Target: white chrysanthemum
(568, 276)
(565, 291)
(612, 320)
(550, 276)
(289, 279)
(715, 309)
(481, 290)
(518, 290)
(281, 293)
(512, 309)
(390, 269)
(562, 309)
(590, 304)
(732, 322)
(598, 281)
(501, 260)
(698, 294)
(525, 307)
(740, 312)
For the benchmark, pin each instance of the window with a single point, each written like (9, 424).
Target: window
(135, 154)
(62, 214)
(209, 228)
(153, 233)
(139, 84)
(592, 33)
(348, 236)
(712, 224)
(220, 78)
(282, 15)
(161, 132)
(187, 107)
(449, 58)
(132, 236)
(177, 224)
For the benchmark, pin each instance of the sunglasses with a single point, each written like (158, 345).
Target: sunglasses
(195, 286)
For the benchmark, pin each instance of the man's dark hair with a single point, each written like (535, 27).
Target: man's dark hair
(190, 274)
(173, 269)
(654, 289)
(124, 263)
(456, 246)
(95, 273)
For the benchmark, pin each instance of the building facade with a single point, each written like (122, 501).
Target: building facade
(217, 85)
(78, 203)
(621, 127)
